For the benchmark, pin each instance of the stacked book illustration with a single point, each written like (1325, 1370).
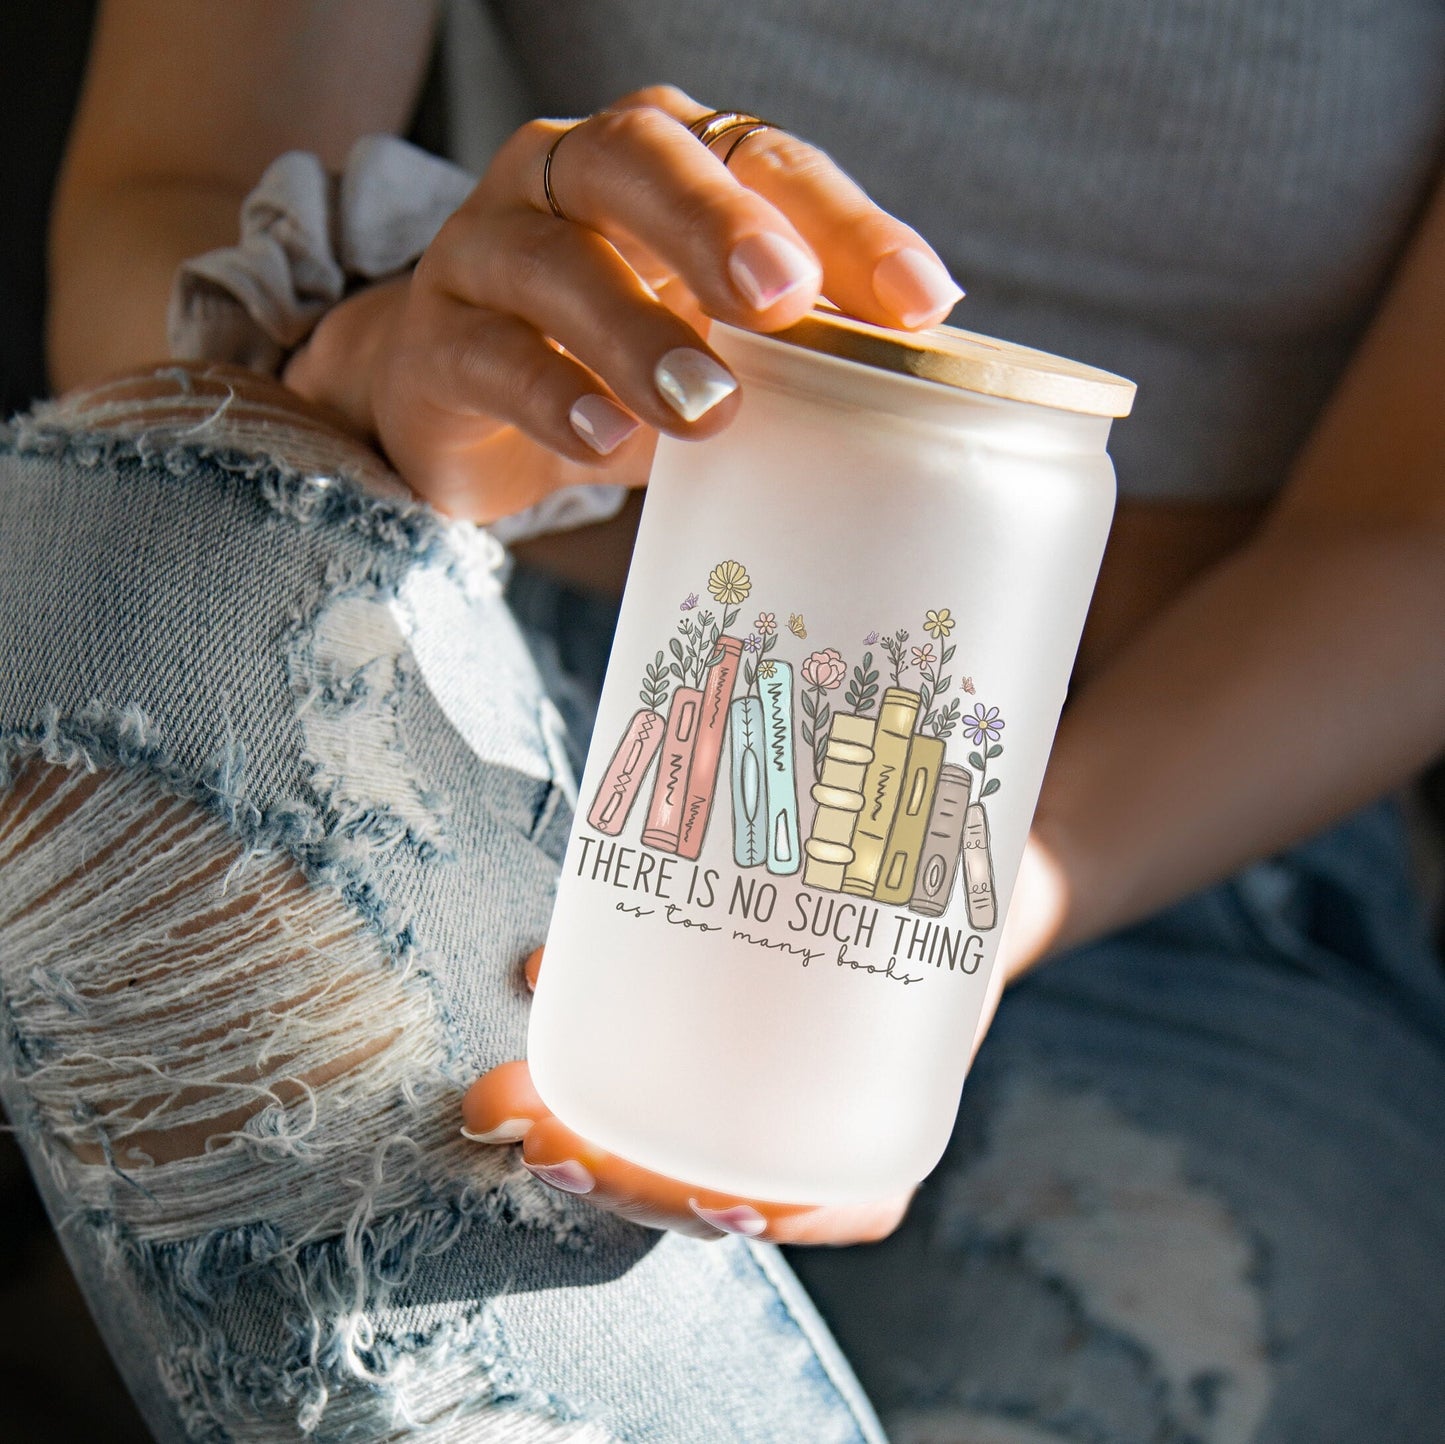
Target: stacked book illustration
(894, 820)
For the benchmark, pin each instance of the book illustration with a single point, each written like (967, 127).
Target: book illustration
(780, 786)
(915, 806)
(882, 788)
(750, 813)
(717, 696)
(626, 772)
(889, 814)
(978, 869)
(838, 792)
(942, 842)
(669, 790)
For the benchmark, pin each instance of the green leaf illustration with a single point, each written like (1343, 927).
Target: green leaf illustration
(976, 760)
(995, 749)
(990, 787)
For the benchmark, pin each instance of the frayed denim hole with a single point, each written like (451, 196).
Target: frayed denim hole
(205, 1037)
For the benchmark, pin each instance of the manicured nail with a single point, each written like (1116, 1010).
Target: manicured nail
(569, 1175)
(509, 1130)
(601, 423)
(737, 1219)
(914, 286)
(692, 383)
(765, 268)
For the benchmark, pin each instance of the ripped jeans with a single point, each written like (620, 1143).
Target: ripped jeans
(285, 776)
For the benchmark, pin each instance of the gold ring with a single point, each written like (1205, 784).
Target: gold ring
(710, 128)
(547, 173)
(744, 132)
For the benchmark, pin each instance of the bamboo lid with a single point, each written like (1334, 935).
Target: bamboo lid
(965, 360)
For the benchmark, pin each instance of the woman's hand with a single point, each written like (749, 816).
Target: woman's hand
(502, 1107)
(527, 352)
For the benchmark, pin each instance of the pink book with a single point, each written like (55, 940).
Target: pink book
(626, 771)
(717, 695)
(674, 762)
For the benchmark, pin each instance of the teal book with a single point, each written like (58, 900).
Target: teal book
(750, 812)
(780, 784)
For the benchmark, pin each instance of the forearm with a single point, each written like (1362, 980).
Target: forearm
(114, 252)
(1298, 679)
(169, 138)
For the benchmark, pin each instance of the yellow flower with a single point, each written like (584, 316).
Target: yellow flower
(939, 624)
(729, 583)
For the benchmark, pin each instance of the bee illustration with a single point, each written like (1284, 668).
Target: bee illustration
(795, 625)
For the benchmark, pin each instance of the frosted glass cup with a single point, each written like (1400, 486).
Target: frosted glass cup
(843, 649)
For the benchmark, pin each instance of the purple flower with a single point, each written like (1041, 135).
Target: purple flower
(870, 639)
(752, 643)
(690, 603)
(982, 725)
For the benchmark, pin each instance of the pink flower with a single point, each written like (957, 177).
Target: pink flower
(825, 669)
(923, 656)
(766, 624)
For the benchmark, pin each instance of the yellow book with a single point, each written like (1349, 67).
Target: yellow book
(839, 795)
(905, 842)
(882, 789)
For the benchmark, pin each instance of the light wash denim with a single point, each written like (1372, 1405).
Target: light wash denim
(315, 700)
(284, 780)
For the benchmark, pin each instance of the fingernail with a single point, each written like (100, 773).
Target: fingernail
(509, 1130)
(601, 423)
(765, 268)
(914, 286)
(569, 1175)
(737, 1219)
(692, 383)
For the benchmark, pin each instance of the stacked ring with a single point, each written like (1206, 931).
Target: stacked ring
(706, 129)
(712, 127)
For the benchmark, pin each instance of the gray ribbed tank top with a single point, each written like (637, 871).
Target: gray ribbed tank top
(1205, 195)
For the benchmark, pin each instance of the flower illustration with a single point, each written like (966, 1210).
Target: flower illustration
(967, 685)
(729, 583)
(939, 624)
(981, 725)
(766, 624)
(825, 669)
(795, 625)
(766, 669)
(923, 656)
(689, 602)
(871, 639)
(752, 643)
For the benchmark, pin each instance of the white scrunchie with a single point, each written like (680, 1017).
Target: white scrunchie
(306, 235)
